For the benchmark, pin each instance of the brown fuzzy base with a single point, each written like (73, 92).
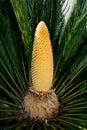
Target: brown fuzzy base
(41, 106)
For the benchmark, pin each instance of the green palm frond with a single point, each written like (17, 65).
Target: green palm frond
(18, 20)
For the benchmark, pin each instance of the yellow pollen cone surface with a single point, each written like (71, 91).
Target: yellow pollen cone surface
(42, 59)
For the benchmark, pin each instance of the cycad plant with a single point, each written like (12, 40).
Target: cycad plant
(43, 65)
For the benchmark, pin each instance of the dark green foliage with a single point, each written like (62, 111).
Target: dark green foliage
(18, 20)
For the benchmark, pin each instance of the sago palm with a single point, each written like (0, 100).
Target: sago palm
(43, 65)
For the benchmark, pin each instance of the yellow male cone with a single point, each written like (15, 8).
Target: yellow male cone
(42, 59)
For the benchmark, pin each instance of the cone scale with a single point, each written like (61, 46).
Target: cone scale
(41, 101)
